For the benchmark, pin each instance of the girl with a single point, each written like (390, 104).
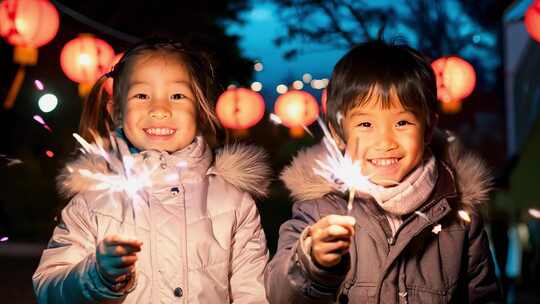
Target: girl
(193, 233)
(414, 234)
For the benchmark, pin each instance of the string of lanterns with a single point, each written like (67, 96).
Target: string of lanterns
(30, 24)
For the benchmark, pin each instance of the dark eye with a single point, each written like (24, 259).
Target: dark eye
(364, 124)
(141, 96)
(178, 96)
(403, 123)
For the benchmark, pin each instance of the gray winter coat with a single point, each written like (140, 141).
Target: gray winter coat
(416, 265)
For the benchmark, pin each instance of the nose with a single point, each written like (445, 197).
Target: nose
(160, 110)
(385, 141)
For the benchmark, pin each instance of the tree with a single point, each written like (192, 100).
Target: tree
(464, 27)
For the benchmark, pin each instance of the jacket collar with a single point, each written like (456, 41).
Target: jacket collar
(471, 178)
(245, 167)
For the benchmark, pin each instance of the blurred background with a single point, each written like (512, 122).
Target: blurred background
(272, 57)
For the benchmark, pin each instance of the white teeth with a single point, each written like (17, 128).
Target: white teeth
(159, 131)
(384, 161)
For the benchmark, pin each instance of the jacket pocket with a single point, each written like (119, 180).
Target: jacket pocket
(362, 292)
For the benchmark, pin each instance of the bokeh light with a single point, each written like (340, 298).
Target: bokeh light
(47, 102)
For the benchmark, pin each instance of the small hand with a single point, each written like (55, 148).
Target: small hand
(116, 257)
(331, 237)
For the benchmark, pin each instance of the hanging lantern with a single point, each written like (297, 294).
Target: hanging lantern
(85, 59)
(296, 109)
(109, 82)
(456, 80)
(27, 25)
(240, 108)
(532, 20)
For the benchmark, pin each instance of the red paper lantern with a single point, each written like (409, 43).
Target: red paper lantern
(28, 25)
(532, 20)
(456, 78)
(296, 108)
(85, 59)
(240, 108)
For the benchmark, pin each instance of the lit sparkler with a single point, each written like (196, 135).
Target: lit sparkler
(277, 121)
(340, 170)
(122, 176)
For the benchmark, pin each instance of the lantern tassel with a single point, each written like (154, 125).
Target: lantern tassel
(15, 88)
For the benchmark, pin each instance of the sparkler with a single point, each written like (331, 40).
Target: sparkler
(122, 176)
(10, 161)
(276, 120)
(340, 170)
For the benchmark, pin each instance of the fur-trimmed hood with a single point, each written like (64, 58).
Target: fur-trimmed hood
(471, 175)
(245, 167)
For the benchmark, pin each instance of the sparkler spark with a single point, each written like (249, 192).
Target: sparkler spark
(39, 85)
(340, 170)
(10, 161)
(277, 121)
(122, 176)
(464, 215)
(534, 213)
(437, 229)
(40, 120)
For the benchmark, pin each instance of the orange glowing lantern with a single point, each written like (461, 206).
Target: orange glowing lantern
(27, 25)
(240, 108)
(85, 59)
(296, 109)
(456, 80)
(532, 20)
(109, 82)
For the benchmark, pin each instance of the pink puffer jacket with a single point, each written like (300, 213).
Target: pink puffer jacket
(200, 228)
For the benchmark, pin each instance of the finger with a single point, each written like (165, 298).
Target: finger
(328, 260)
(121, 250)
(116, 239)
(341, 220)
(333, 219)
(331, 233)
(331, 247)
(121, 261)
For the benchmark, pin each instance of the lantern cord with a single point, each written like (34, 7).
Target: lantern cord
(15, 87)
(94, 24)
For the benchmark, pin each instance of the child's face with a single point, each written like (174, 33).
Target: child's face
(160, 112)
(389, 143)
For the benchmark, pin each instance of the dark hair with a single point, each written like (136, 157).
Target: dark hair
(199, 68)
(376, 66)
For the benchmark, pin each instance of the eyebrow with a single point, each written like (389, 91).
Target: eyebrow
(184, 82)
(365, 114)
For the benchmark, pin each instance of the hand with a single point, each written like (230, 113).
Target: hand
(330, 239)
(116, 257)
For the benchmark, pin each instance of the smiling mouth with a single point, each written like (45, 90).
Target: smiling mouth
(159, 131)
(383, 162)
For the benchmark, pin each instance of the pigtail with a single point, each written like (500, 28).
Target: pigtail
(96, 118)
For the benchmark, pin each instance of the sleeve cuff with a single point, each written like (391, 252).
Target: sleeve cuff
(98, 284)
